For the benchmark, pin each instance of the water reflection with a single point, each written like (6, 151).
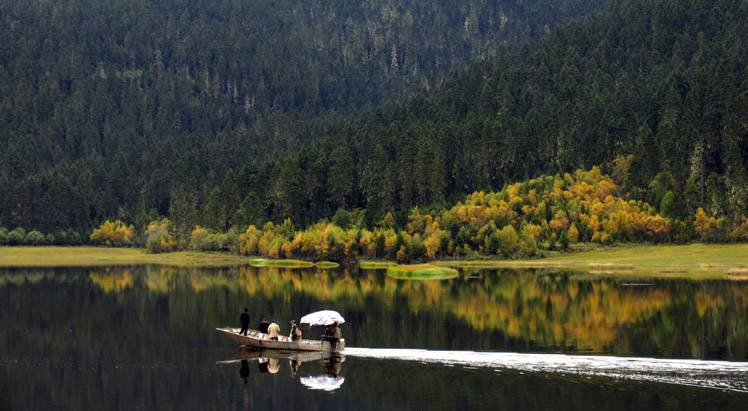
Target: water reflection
(323, 382)
(517, 310)
(143, 338)
(244, 371)
(269, 362)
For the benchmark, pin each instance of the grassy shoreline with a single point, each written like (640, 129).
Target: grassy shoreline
(101, 256)
(697, 261)
(701, 261)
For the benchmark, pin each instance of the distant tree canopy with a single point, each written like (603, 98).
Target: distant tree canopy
(522, 220)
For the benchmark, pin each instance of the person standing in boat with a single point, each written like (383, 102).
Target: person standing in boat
(264, 324)
(273, 331)
(244, 319)
(295, 332)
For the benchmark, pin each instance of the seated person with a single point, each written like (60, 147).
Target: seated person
(264, 324)
(333, 335)
(273, 331)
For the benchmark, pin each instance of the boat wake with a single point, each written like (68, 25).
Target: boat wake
(722, 375)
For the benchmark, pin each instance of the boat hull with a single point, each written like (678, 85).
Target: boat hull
(255, 339)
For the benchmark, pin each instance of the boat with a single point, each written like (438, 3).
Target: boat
(258, 340)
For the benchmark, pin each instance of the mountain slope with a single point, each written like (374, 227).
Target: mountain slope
(662, 81)
(128, 104)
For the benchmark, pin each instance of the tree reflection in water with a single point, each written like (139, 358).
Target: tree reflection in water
(519, 310)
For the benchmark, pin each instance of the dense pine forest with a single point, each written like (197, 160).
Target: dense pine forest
(179, 124)
(135, 109)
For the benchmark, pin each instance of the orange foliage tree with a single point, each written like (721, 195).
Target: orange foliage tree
(113, 234)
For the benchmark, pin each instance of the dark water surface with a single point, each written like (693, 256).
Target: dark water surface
(143, 338)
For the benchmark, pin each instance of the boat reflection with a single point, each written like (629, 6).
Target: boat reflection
(269, 362)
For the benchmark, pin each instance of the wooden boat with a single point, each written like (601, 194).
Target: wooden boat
(256, 339)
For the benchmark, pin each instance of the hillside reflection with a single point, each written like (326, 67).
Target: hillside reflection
(488, 310)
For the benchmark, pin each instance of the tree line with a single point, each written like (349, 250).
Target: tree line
(522, 220)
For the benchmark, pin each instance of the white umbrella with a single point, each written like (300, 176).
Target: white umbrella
(323, 382)
(325, 317)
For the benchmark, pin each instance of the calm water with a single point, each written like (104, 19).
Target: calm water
(143, 338)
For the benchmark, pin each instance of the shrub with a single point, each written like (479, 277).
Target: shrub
(74, 238)
(158, 237)
(203, 240)
(16, 237)
(113, 234)
(35, 238)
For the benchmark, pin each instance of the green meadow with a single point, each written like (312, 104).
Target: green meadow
(696, 261)
(92, 256)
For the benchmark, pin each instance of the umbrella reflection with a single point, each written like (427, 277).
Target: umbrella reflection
(323, 382)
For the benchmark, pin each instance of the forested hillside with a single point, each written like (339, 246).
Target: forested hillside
(134, 109)
(661, 83)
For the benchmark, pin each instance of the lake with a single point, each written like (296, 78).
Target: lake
(143, 338)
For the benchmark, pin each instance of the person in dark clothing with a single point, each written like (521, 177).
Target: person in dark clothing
(244, 371)
(295, 334)
(244, 319)
(294, 367)
(264, 324)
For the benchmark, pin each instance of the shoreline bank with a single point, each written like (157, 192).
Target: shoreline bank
(702, 261)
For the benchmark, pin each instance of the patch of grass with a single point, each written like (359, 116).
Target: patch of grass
(258, 262)
(718, 256)
(289, 263)
(421, 272)
(93, 256)
(694, 261)
(476, 263)
(327, 264)
(611, 267)
(376, 265)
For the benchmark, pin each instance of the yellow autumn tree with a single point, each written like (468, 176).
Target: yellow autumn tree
(573, 233)
(709, 228)
(248, 241)
(113, 234)
(158, 236)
